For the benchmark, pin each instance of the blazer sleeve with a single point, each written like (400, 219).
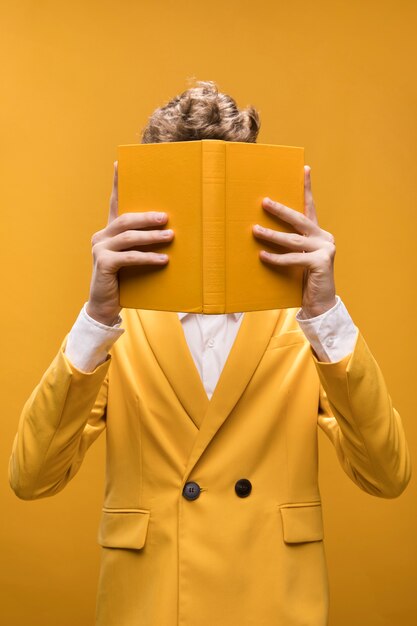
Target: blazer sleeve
(357, 415)
(64, 415)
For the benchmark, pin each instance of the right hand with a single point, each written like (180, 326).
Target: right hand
(111, 251)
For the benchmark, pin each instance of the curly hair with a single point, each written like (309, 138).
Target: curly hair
(202, 112)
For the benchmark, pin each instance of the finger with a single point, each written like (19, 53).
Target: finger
(134, 221)
(308, 260)
(309, 206)
(288, 240)
(133, 238)
(300, 222)
(136, 258)
(114, 200)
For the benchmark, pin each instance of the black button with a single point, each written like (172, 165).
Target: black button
(243, 487)
(191, 491)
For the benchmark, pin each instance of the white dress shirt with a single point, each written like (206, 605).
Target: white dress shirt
(332, 336)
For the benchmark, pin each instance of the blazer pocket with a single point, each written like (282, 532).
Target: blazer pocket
(287, 339)
(302, 522)
(123, 528)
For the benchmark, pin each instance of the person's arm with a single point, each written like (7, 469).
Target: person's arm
(355, 409)
(89, 341)
(67, 410)
(356, 413)
(332, 335)
(60, 420)
(358, 418)
(116, 246)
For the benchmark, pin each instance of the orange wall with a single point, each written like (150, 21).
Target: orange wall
(81, 77)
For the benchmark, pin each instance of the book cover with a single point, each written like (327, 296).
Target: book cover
(212, 191)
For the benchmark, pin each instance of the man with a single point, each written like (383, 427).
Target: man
(212, 511)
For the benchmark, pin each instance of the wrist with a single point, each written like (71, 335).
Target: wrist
(108, 317)
(309, 311)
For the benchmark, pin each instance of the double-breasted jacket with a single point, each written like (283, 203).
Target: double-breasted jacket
(212, 511)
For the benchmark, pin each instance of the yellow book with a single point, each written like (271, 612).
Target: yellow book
(212, 191)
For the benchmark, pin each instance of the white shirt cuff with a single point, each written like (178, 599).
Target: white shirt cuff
(89, 341)
(332, 334)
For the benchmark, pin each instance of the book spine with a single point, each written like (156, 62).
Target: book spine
(213, 200)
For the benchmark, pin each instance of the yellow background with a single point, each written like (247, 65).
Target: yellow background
(81, 77)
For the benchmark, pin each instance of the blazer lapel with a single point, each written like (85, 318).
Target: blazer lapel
(167, 340)
(250, 344)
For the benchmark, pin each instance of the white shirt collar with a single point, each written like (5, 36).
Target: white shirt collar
(236, 316)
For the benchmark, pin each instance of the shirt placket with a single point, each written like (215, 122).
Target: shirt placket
(211, 361)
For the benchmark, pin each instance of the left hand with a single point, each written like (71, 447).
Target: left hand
(311, 247)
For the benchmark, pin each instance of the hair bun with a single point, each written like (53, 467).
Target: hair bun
(202, 112)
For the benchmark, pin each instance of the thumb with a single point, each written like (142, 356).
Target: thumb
(309, 206)
(114, 204)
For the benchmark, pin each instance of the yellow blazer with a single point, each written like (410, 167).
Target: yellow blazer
(252, 557)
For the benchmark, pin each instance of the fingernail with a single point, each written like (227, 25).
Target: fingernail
(160, 217)
(166, 233)
(259, 229)
(163, 257)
